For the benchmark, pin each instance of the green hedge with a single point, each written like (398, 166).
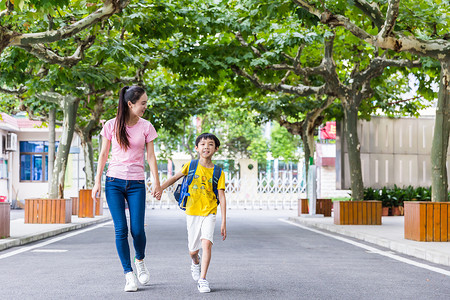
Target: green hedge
(396, 196)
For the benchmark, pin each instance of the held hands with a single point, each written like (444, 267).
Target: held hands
(157, 192)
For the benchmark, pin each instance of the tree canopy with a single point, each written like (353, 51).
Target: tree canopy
(231, 65)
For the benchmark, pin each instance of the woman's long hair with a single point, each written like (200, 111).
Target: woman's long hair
(126, 94)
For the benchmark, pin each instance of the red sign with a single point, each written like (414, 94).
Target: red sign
(328, 132)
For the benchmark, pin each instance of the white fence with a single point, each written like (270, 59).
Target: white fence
(282, 193)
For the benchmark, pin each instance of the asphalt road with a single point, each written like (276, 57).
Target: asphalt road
(262, 258)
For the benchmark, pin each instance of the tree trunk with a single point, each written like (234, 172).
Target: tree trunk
(307, 152)
(439, 181)
(308, 141)
(88, 152)
(306, 130)
(51, 147)
(353, 148)
(70, 105)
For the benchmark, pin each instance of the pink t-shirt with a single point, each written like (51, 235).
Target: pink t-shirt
(129, 164)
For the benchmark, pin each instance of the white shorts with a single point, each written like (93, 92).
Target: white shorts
(200, 228)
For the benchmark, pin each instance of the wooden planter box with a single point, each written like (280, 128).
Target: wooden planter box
(48, 211)
(357, 212)
(5, 216)
(86, 204)
(427, 221)
(74, 206)
(323, 206)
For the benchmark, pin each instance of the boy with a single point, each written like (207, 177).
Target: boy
(201, 207)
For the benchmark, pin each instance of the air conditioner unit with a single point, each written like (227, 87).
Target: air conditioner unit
(11, 142)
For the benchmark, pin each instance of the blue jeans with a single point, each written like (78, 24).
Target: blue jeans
(133, 191)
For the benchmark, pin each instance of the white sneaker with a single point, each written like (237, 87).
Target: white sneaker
(143, 274)
(203, 286)
(131, 285)
(196, 269)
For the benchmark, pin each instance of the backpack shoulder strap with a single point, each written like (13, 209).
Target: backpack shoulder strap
(192, 168)
(216, 176)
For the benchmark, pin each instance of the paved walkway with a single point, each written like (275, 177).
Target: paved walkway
(389, 235)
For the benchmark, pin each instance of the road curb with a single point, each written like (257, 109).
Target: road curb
(425, 254)
(23, 240)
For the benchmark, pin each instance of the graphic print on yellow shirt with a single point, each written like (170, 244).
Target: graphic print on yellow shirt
(202, 200)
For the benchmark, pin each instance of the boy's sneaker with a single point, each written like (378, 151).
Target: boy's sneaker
(131, 285)
(203, 286)
(196, 269)
(143, 274)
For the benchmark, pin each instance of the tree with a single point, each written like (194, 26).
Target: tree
(69, 105)
(115, 59)
(43, 87)
(279, 50)
(421, 29)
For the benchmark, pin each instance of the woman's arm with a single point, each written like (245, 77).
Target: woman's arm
(102, 158)
(151, 158)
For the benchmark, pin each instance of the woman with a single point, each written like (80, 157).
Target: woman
(128, 135)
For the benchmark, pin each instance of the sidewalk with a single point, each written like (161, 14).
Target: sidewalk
(21, 233)
(389, 235)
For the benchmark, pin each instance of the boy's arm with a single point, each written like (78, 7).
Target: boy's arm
(171, 180)
(223, 209)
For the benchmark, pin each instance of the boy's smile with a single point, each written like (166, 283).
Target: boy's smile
(206, 148)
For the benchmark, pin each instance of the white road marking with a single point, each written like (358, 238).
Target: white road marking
(51, 241)
(373, 250)
(50, 250)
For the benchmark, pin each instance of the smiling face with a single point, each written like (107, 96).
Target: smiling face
(138, 108)
(206, 148)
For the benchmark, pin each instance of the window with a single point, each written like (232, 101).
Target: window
(34, 161)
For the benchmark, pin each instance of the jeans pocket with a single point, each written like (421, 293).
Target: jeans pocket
(109, 179)
(140, 181)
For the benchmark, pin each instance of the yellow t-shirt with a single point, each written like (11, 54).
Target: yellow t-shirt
(202, 200)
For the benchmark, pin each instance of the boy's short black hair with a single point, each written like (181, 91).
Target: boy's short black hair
(207, 136)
